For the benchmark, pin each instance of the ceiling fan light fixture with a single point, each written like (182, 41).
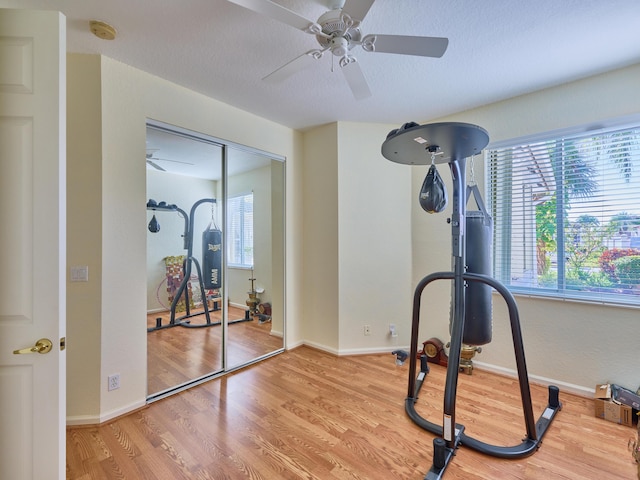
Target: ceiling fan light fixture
(339, 46)
(335, 24)
(331, 21)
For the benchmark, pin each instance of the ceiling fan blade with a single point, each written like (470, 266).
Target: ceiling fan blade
(297, 64)
(406, 45)
(356, 80)
(157, 159)
(155, 165)
(277, 12)
(357, 9)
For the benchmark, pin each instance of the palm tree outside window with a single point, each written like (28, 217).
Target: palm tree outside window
(566, 215)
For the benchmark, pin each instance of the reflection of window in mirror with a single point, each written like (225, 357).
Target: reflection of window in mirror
(240, 237)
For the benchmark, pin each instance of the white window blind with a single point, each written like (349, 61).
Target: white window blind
(240, 230)
(567, 215)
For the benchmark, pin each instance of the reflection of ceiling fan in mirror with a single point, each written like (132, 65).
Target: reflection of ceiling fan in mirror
(338, 31)
(156, 162)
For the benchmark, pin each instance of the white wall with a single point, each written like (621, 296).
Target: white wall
(127, 98)
(374, 232)
(84, 234)
(357, 241)
(124, 280)
(320, 325)
(577, 345)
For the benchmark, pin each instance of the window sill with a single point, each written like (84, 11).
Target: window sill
(608, 302)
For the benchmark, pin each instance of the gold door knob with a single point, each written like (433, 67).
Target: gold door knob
(43, 345)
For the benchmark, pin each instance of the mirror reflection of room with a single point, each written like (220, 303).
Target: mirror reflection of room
(210, 259)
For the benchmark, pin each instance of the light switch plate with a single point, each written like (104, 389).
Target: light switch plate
(80, 274)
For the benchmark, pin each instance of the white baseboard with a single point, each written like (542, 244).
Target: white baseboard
(156, 310)
(104, 417)
(292, 345)
(276, 333)
(83, 420)
(537, 379)
(372, 351)
(238, 305)
(319, 346)
(351, 351)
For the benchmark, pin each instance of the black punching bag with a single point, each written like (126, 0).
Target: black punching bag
(212, 258)
(478, 247)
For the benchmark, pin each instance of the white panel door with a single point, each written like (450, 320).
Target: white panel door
(32, 243)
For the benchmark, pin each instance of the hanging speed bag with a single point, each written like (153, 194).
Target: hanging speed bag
(478, 318)
(212, 258)
(433, 194)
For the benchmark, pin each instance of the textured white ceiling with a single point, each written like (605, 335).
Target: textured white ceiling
(497, 49)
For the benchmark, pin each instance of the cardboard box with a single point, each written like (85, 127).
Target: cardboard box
(603, 391)
(622, 414)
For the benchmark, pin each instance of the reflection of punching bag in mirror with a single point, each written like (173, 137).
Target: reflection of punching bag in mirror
(212, 257)
(154, 226)
(212, 254)
(433, 194)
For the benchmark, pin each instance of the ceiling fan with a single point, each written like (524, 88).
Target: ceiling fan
(338, 31)
(152, 160)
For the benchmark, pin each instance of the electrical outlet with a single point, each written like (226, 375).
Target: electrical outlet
(113, 381)
(367, 329)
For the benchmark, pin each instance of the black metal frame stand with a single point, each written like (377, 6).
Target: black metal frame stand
(456, 142)
(184, 320)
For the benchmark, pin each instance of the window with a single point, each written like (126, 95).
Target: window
(567, 215)
(240, 225)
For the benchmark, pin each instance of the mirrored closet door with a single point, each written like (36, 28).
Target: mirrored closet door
(255, 254)
(215, 257)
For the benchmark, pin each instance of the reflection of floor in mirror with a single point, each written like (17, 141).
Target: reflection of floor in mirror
(179, 354)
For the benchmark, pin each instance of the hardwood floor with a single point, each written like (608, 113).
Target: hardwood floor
(177, 355)
(306, 414)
